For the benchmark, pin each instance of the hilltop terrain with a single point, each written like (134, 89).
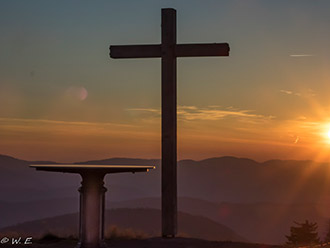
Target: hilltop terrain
(259, 201)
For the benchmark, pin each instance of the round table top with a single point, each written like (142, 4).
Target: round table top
(79, 168)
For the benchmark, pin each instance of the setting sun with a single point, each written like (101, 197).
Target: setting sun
(326, 133)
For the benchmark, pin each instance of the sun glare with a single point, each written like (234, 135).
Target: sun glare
(326, 134)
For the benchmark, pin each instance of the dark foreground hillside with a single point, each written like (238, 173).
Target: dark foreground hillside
(150, 243)
(258, 201)
(141, 222)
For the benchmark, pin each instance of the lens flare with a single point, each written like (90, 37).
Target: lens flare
(79, 93)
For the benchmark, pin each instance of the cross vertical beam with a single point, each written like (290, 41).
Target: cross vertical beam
(169, 126)
(168, 51)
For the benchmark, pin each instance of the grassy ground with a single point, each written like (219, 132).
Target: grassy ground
(144, 243)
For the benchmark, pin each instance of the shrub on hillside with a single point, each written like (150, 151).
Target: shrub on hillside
(304, 234)
(114, 232)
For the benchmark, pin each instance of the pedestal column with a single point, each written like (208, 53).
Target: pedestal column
(92, 204)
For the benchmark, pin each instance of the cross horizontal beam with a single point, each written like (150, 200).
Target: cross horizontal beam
(200, 50)
(135, 51)
(181, 50)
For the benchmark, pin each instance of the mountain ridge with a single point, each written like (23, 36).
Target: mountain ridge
(113, 159)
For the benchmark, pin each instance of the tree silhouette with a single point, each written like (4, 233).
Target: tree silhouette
(327, 236)
(303, 234)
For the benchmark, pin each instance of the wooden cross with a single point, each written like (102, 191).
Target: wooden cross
(168, 51)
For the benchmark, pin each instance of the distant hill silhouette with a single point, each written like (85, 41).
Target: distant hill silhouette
(243, 194)
(221, 179)
(143, 219)
(259, 222)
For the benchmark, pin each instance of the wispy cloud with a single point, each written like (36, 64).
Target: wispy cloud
(305, 93)
(29, 123)
(289, 92)
(301, 55)
(150, 110)
(212, 113)
(207, 113)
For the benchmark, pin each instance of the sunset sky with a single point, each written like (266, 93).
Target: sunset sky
(62, 98)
